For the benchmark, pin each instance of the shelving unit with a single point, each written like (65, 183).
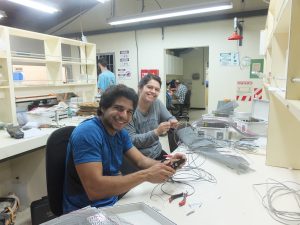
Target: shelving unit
(283, 65)
(63, 65)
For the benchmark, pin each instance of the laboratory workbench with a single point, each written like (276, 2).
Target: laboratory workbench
(232, 199)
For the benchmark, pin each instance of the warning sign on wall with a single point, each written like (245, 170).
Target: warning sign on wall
(258, 93)
(244, 90)
(144, 72)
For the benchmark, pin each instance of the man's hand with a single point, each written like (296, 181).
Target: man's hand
(162, 128)
(176, 158)
(159, 173)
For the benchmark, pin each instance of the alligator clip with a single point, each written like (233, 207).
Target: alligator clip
(176, 196)
(183, 201)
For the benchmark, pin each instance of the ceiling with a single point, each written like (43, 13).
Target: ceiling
(90, 16)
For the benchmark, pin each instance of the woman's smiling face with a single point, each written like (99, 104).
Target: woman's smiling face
(150, 91)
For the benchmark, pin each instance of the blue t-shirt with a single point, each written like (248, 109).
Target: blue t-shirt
(105, 79)
(90, 142)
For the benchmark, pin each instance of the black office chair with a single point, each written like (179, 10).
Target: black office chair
(56, 150)
(182, 111)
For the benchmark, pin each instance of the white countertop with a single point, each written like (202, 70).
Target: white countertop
(10, 147)
(232, 200)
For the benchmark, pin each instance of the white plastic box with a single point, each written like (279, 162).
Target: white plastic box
(214, 132)
(257, 121)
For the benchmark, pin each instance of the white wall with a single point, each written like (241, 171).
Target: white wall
(193, 62)
(151, 47)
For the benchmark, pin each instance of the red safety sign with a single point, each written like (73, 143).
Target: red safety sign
(258, 93)
(244, 90)
(243, 98)
(144, 72)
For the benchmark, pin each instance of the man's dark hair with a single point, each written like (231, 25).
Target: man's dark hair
(147, 78)
(113, 92)
(103, 62)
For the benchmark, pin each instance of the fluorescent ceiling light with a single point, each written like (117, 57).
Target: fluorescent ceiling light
(173, 12)
(35, 5)
(103, 1)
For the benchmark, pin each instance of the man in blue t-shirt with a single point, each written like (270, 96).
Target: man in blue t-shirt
(95, 152)
(106, 77)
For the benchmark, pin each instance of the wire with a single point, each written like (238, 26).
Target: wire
(137, 55)
(158, 4)
(189, 173)
(276, 191)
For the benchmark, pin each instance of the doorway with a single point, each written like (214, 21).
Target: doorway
(190, 66)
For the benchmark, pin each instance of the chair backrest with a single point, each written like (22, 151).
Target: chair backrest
(187, 99)
(56, 150)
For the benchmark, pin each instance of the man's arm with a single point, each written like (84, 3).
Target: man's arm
(98, 186)
(141, 161)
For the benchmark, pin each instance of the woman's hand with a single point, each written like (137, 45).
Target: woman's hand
(162, 128)
(173, 123)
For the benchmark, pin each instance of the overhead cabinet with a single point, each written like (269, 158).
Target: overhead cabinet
(34, 64)
(283, 82)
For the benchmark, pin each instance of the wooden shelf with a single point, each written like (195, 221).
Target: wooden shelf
(282, 61)
(294, 108)
(56, 85)
(44, 67)
(28, 60)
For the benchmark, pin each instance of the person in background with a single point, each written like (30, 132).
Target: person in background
(95, 152)
(106, 77)
(151, 119)
(180, 93)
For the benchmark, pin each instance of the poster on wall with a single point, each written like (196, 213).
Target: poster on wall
(256, 68)
(124, 74)
(124, 66)
(244, 90)
(144, 72)
(229, 59)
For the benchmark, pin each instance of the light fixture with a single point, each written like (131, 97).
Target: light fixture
(238, 31)
(2, 14)
(172, 12)
(36, 5)
(103, 1)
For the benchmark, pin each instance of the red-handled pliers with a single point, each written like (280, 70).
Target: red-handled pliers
(182, 202)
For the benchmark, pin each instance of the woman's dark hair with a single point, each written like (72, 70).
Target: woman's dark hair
(113, 92)
(147, 78)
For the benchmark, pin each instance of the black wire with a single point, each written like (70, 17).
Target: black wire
(158, 4)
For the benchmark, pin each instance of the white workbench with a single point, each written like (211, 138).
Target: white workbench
(18, 159)
(232, 200)
(10, 147)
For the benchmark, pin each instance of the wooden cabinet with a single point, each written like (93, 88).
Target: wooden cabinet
(50, 65)
(282, 59)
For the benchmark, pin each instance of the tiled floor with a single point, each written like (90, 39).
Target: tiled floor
(194, 115)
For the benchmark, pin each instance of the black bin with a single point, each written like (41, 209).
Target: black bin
(40, 211)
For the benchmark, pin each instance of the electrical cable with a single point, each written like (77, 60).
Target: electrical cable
(275, 191)
(158, 4)
(137, 55)
(189, 173)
